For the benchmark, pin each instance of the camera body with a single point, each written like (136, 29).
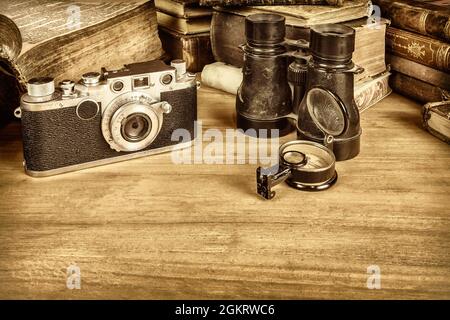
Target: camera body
(106, 117)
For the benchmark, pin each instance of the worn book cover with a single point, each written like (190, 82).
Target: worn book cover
(424, 50)
(182, 9)
(194, 49)
(268, 2)
(418, 71)
(430, 18)
(372, 91)
(416, 89)
(67, 38)
(307, 15)
(436, 119)
(183, 25)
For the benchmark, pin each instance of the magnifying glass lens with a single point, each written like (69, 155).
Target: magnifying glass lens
(294, 158)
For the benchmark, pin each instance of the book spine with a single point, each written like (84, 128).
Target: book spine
(418, 71)
(368, 95)
(268, 2)
(425, 19)
(196, 51)
(426, 51)
(416, 89)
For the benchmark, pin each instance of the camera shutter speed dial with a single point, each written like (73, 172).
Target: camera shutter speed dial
(91, 78)
(40, 87)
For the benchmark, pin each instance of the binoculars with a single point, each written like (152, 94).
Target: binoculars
(321, 72)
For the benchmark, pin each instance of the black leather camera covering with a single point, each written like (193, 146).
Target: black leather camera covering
(58, 138)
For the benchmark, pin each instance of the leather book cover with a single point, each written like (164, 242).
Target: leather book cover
(430, 18)
(417, 89)
(418, 71)
(419, 48)
(182, 10)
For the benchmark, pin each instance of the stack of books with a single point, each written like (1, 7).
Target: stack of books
(184, 29)
(418, 45)
(228, 32)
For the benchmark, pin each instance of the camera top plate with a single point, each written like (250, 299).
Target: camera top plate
(138, 68)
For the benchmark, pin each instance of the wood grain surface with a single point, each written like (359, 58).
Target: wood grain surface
(149, 229)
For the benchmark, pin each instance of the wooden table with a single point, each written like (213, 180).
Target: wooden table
(150, 229)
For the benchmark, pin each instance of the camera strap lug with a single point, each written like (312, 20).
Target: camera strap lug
(18, 113)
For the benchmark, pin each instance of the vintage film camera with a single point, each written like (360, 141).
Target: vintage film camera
(106, 117)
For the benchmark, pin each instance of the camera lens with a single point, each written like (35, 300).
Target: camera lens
(136, 127)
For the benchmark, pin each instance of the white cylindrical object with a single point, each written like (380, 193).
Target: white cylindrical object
(221, 76)
(40, 87)
(180, 66)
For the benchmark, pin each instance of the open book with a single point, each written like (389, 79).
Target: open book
(64, 39)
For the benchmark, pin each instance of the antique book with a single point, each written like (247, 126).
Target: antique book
(194, 49)
(228, 78)
(306, 15)
(227, 33)
(67, 38)
(417, 89)
(430, 18)
(372, 91)
(418, 71)
(370, 47)
(268, 2)
(419, 48)
(183, 25)
(436, 119)
(187, 10)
